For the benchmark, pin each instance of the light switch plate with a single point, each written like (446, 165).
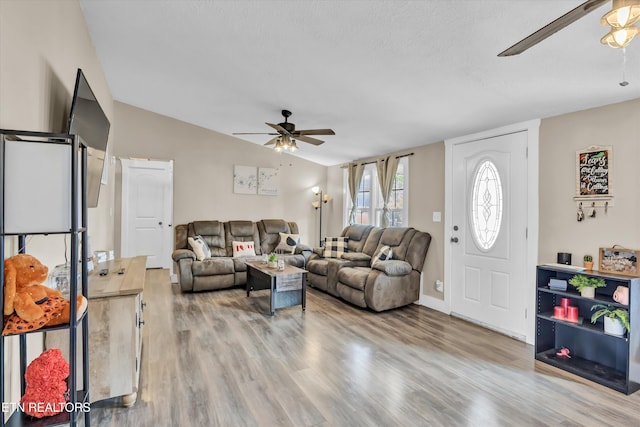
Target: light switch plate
(437, 216)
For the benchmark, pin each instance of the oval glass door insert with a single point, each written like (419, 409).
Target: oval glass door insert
(486, 205)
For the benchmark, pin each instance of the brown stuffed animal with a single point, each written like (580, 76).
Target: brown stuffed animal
(23, 289)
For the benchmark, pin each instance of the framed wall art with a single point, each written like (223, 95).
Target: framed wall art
(267, 181)
(594, 173)
(245, 179)
(619, 261)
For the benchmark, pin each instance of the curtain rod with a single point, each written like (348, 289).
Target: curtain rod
(374, 161)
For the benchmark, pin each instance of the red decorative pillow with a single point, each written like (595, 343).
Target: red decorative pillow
(243, 249)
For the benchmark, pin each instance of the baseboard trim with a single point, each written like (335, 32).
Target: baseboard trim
(434, 303)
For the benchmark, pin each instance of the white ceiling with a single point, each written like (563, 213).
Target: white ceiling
(385, 75)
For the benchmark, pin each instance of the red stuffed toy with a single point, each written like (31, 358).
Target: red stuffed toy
(46, 391)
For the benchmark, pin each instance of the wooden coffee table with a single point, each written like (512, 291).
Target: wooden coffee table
(287, 287)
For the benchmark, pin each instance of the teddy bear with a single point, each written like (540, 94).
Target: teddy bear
(29, 305)
(46, 389)
(23, 289)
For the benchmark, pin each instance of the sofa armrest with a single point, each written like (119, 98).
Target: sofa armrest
(301, 248)
(179, 254)
(304, 250)
(393, 267)
(185, 273)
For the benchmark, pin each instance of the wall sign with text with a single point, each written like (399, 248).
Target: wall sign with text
(594, 172)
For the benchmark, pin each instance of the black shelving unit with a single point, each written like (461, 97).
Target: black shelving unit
(76, 230)
(610, 360)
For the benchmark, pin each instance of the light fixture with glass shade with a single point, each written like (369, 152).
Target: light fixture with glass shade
(317, 205)
(623, 13)
(285, 143)
(621, 18)
(620, 37)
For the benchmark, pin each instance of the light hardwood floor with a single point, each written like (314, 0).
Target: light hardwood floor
(217, 359)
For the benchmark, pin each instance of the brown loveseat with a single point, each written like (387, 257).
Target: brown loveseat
(222, 270)
(385, 284)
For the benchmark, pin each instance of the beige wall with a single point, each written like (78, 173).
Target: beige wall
(42, 43)
(203, 171)
(426, 195)
(616, 125)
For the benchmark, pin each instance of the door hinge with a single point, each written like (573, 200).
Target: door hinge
(526, 232)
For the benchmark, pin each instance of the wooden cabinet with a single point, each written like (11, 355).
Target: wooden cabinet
(610, 360)
(115, 330)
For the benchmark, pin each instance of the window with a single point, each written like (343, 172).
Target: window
(486, 205)
(369, 199)
(363, 205)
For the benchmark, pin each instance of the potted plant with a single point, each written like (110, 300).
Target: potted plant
(616, 319)
(587, 285)
(272, 260)
(588, 262)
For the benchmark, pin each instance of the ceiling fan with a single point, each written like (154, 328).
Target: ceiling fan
(621, 18)
(286, 134)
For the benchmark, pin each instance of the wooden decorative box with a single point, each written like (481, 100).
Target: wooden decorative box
(619, 261)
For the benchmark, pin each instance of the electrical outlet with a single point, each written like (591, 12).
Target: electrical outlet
(439, 286)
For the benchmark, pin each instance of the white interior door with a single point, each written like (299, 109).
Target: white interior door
(147, 211)
(488, 234)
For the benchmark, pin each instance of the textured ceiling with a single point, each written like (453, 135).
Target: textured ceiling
(385, 75)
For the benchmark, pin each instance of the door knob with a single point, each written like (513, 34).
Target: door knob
(454, 239)
(160, 223)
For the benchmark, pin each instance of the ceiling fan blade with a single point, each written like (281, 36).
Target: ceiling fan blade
(272, 140)
(254, 133)
(553, 27)
(278, 128)
(310, 140)
(315, 132)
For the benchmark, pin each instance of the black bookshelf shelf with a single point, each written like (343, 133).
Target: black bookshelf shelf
(589, 369)
(582, 324)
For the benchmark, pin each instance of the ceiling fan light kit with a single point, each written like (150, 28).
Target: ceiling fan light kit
(621, 17)
(285, 143)
(623, 13)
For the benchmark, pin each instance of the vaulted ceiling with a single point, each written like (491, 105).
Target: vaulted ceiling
(384, 74)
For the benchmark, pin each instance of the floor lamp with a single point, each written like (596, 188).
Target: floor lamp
(317, 204)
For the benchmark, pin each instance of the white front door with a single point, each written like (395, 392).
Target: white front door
(147, 206)
(488, 232)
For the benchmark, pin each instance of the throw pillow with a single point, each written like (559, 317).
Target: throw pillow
(334, 247)
(199, 247)
(243, 249)
(288, 243)
(383, 254)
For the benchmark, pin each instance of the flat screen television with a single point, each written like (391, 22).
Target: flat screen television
(88, 121)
